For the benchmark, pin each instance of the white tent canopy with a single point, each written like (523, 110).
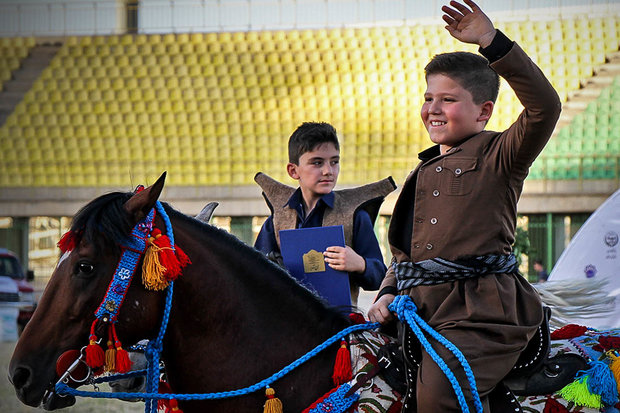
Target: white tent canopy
(593, 259)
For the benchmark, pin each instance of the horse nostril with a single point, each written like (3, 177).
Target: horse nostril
(20, 378)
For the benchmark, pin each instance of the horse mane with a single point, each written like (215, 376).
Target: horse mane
(260, 264)
(104, 222)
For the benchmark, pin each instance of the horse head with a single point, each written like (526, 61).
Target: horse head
(65, 313)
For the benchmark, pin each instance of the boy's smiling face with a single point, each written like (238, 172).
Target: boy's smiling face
(449, 112)
(317, 171)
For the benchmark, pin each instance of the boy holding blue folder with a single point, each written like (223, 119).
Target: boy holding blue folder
(314, 161)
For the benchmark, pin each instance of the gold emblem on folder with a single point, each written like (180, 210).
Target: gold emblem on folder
(313, 262)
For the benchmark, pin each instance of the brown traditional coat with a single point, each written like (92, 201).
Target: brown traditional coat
(464, 203)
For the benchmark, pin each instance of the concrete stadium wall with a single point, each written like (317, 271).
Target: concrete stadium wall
(89, 17)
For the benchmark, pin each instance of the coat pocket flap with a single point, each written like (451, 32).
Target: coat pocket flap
(460, 166)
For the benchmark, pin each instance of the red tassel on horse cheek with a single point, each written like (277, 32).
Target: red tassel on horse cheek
(342, 366)
(123, 363)
(95, 356)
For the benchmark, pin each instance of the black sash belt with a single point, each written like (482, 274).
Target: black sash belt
(438, 271)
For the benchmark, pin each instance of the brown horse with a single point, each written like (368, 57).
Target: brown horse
(236, 318)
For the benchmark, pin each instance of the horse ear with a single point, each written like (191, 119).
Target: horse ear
(207, 212)
(141, 203)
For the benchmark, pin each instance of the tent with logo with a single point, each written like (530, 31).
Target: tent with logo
(584, 285)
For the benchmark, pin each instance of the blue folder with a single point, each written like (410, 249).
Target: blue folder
(328, 283)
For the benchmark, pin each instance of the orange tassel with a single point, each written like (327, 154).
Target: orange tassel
(615, 366)
(273, 404)
(162, 263)
(153, 270)
(110, 358)
(95, 357)
(342, 366)
(110, 354)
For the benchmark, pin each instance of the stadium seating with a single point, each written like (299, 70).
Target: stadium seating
(214, 108)
(12, 52)
(590, 144)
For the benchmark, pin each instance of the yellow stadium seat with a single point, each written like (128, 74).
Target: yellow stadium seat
(94, 96)
(168, 38)
(126, 39)
(122, 95)
(153, 39)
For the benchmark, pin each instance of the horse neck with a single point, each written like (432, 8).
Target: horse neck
(238, 308)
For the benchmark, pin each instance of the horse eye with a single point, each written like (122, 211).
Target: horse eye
(84, 269)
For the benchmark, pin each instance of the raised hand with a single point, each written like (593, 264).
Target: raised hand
(469, 25)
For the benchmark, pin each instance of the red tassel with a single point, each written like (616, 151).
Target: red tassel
(357, 318)
(167, 257)
(342, 366)
(167, 405)
(95, 357)
(67, 241)
(164, 404)
(123, 364)
(606, 343)
(182, 257)
(568, 331)
(174, 406)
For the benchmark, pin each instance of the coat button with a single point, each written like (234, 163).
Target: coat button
(416, 245)
(433, 221)
(419, 220)
(458, 171)
(429, 246)
(435, 193)
(439, 169)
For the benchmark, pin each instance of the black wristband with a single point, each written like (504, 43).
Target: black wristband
(498, 48)
(387, 290)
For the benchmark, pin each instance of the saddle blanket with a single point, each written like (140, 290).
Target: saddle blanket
(378, 396)
(592, 346)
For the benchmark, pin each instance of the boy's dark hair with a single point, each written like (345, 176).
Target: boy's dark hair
(470, 70)
(538, 261)
(308, 136)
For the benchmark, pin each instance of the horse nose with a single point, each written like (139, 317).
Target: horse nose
(20, 377)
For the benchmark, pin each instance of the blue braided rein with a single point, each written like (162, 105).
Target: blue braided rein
(404, 307)
(63, 389)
